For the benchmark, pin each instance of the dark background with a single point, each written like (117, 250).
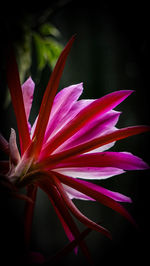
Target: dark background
(110, 53)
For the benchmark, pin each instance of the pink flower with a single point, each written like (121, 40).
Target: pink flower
(67, 144)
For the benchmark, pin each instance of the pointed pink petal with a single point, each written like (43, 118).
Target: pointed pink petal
(62, 104)
(90, 190)
(96, 128)
(92, 111)
(14, 85)
(80, 216)
(93, 173)
(113, 195)
(93, 144)
(121, 160)
(75, 194)
(48, 98)
(76, 108)
(28, 91)
(14, 152)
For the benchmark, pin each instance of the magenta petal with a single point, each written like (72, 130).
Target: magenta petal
(28, 91)
(61, 106)
(92, 111)
(75, 109)
(111, 194)
(93, 173)
(103, 196)
(75, 211)
(48, 98)
(75, 194)
(121, 160)
(96, 128)
(57, 201)
(14, 152)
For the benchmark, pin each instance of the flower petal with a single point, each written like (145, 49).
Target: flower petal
(76, 108)
(14, 85)
(61, 106)
(14, 152)
(28, 91)
(65, 226)
(90, 190)
(96, 128)
(93, 173)
(75, 194)
(56, 200)
(48, 98)
(91, 145)
(121, 160)
(92, 111)
(82, 218)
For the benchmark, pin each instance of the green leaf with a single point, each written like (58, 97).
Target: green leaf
(39, 51)
(49, 29)
(52, 51)
(47, 51)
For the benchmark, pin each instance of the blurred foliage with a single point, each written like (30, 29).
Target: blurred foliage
(36, 41)
(40, 47)
(47, 48)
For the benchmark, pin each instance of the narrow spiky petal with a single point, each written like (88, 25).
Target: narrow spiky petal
(14, 85)
(48, 98)
(28, 91)
(56, 200)
(76, 212)
(93, 144)
(86, 188)
(14, 153)
(65, 226)
(93, 110)
(121, 160)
